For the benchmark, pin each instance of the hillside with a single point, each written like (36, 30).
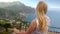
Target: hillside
(13, 9)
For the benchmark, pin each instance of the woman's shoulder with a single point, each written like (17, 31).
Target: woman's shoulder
(33, 22)
(48, 18)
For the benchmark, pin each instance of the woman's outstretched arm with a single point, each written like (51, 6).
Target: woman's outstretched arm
(29, 30)
(32, 27)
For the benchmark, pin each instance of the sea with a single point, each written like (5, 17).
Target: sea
(54, 17)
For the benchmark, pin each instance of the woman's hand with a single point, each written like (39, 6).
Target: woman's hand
(18, 32)
(15, 30)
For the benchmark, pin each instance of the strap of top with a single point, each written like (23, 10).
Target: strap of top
(37, 22)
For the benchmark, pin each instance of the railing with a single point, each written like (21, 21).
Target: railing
(54, 32)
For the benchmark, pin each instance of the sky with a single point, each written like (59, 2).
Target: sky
(33, 3)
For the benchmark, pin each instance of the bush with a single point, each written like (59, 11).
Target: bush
(4, 24)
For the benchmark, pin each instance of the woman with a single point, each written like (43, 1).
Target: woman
(40, 24)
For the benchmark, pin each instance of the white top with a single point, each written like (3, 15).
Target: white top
(36, 30)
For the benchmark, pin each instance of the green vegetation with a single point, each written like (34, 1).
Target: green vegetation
(13, 9)
(6, 32)
(12, 12)
(5, 23)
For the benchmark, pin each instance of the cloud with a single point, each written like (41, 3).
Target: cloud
(7, 0)
(52, 7)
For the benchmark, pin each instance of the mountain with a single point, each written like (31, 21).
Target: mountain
(18, 9)
(13, 9)
(6, 4)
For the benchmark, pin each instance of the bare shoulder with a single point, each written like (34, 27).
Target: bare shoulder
(33, 22)
(32, 26)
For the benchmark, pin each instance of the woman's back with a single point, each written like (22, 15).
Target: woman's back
(36, 31)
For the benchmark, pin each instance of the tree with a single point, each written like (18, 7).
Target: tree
(6, 25)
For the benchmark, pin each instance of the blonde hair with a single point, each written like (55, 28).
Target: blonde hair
(41, 11)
